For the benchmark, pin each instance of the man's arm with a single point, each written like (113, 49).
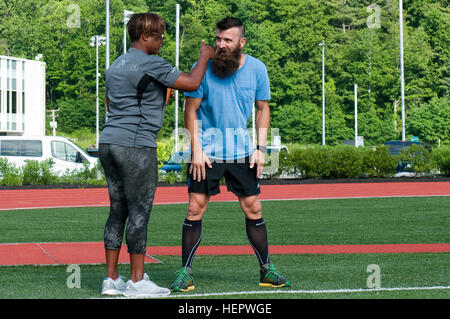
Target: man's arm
(198, 158)
(262, 126)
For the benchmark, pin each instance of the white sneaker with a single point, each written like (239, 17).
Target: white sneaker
(112, 287)
(144, 288)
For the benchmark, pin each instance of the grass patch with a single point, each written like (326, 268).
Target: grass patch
(309, 222)
(221, 274)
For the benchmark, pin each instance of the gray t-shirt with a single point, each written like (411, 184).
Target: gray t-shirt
(129, 124)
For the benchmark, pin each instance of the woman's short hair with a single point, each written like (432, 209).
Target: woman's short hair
(148, 23)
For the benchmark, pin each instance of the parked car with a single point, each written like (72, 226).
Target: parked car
(395, 148)
(173, 164)
(64, 153)
(92, 151)
(277, 148)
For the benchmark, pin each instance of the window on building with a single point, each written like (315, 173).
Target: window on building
(14, 102)
(12, 94)
(19, 108)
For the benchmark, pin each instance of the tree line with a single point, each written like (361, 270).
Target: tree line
(361, 47)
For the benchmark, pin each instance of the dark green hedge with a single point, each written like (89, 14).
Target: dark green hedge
(351, 162)
(324, 162)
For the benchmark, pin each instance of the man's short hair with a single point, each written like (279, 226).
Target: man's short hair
(230, 22)
(148, 23)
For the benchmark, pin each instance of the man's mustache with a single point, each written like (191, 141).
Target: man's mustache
(223, 51)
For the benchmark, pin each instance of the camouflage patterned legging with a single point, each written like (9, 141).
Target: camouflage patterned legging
(132, 175)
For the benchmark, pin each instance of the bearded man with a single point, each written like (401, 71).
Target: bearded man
(216, 117)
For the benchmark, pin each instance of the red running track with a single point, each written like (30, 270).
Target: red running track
(98, 197)
(58, 254)
(93, 252)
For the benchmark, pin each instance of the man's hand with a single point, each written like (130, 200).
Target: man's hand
(258, 158)
(197, 168)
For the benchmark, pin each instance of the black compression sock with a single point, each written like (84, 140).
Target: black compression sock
(257, 236)
(192, 235)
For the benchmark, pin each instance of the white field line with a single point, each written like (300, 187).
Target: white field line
(267, 292)
(331, 291)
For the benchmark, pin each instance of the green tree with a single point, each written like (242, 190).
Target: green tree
(362, 47)
(430, 121)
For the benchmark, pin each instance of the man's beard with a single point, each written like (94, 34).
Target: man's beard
(226, 62)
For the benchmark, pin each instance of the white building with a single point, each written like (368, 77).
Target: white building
(22, 97)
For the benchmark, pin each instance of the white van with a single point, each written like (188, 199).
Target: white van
(64, 153)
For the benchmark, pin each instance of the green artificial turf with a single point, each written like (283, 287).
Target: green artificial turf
(311, 222)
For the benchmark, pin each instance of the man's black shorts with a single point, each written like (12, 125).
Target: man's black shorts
(239, 177)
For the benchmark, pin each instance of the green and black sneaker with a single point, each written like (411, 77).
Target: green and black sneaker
(183, 282)
(270, 277)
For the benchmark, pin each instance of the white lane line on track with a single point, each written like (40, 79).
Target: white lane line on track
(223, 201)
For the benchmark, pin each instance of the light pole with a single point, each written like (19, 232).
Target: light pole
(322, 44)
(126, 17)
(107, 36)
(402, 69)
(53, 123)
(356, 115)
(107, 49)
(177, 58)
(96, 41)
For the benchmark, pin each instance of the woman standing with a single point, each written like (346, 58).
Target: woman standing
(136, 85)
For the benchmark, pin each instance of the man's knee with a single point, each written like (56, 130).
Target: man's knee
(251, 207)
(198, 203)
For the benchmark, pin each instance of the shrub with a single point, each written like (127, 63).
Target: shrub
(10, 175)
(171, 177)
(318, 161)
(163, 151)
(314, 161)
(419, 158)
(324, 162)
(441, 157)
(85, 176)
(31, 172)
(39, 173)
(12, 179)
(377, 162)
(4, 166)
(47, 176)
(287, 163)
(345, 162)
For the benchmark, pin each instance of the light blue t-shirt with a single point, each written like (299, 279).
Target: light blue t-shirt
(226, 107)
